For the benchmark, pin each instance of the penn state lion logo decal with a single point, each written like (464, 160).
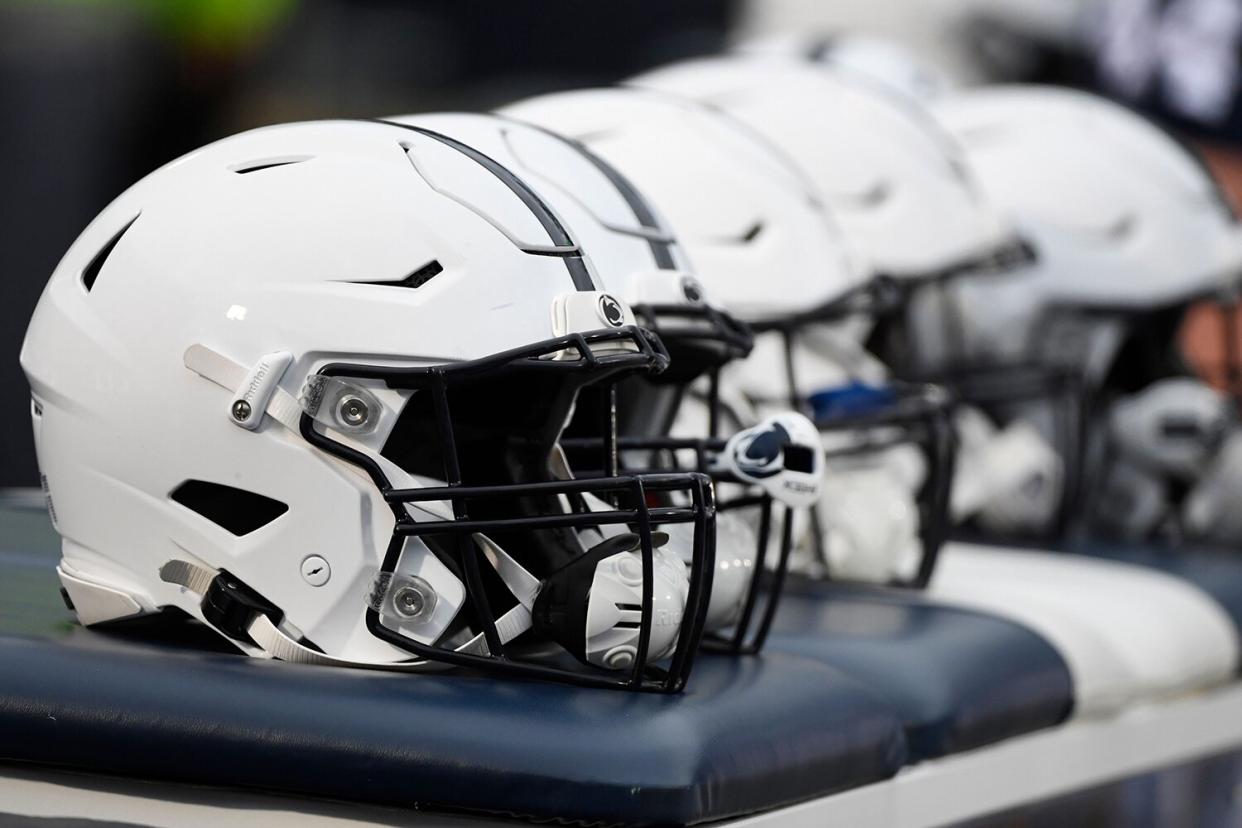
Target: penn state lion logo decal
(759, 455)
(610, 311)
(782, 455)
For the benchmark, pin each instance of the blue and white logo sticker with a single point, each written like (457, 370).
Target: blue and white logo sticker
(782, 455)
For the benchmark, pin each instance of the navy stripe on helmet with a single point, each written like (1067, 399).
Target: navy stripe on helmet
(661, 248)
(557, 233)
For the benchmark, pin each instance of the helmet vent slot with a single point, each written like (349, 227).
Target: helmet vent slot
(416, 279)
(91, 272)
(234, 510)
(248, 167)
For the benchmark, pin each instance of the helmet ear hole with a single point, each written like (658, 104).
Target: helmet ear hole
(234, 510)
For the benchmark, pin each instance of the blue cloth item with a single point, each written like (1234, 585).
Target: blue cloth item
(850, 399)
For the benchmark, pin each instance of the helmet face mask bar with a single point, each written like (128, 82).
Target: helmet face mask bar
(871, 419)
(1097, 315)
(748, 630)
(645, 267)
(699, 337)
(705, 340)
(505, 508)
(701, 340)
(996, 389)
(991, 385)
(914, 415)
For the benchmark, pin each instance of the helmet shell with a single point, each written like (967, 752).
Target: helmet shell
(1122, 216)
(759, 237)
(302, 239)
(895, 181)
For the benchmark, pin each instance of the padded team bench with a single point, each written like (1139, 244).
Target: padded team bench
(749, 735)
(959, 679)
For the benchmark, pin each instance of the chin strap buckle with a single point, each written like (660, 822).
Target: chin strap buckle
(246, 616)
(228, 604)
(241, 613)
(255, 392)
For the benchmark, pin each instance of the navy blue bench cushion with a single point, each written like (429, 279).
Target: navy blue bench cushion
(163, 702)
(958, 679)
(1218, 572)
(748, 735)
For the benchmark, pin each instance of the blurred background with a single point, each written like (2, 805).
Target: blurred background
(100, 92)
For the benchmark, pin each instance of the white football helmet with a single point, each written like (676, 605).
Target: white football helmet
(882, 60)
(637, 258)
(906, 197)
(970, 40)
(891, 177)
(1112, 217)
(764, 244)
(1129, 231)
(306, 383)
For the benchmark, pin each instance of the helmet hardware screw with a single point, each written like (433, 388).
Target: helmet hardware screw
(353, 411)
(415, 599)
(315, 570)
(241, 410)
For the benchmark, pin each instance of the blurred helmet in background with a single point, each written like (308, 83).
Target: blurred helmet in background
(970, 41)
(904, 195)
(884, 61)
(893, 180)
(1130, 232)
(763, 243)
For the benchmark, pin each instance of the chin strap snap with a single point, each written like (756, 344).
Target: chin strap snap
(255, 391)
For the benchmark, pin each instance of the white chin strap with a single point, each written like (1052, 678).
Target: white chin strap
(256, 388)
(273, 642)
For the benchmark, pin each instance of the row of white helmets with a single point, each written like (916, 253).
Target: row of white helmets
(258, 373)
